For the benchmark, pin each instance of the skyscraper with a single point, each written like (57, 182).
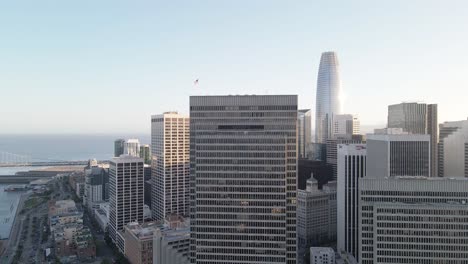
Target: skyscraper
(125, 195)
(119, 147)
(413, 220)
(304, 132)
(145, 154)
(171, 167)
(398, 154)
(346, 124)
(132, 147)
(328, 96)
(351, 167)
(332, 149)
(417, 118)
(243, 170)
(453, 149)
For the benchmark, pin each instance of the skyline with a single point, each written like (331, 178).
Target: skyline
(104, 67)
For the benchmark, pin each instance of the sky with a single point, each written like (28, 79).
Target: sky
(107, 66)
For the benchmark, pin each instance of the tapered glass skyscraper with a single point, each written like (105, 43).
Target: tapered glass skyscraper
(328, 96)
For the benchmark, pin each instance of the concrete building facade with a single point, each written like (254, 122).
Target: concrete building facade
(243, 153)
(346, 124)
(453, 149)
(170, 142)
(413, 220)
(398, 154)
(417, 118)
(125, 194)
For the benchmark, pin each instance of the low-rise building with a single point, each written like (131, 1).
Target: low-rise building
(158, 242)
(72, 239)
(322, 255)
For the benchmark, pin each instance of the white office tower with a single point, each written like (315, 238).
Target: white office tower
(170, 143)
(328, 99)
(346, 125)
(398, 154)
(316, 216)
(351, 167)
(322, 255)
(132, 147)
(417, 118)
(243, 164)
(126, 197)
(453, 149)
(304, 132)
(413, 220)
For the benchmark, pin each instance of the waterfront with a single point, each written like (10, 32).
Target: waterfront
(8, 205)
(13, 170)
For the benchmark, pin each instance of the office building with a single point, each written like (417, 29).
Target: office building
(322, 255)
(345, 124)
(96, 187)
(243, 179)
(417, 118)
(132, 147)
(125, 195)
(351, 167)
(332, 149)
(389, 131)
(304, 132)
(316, 216)
(398, 154)
(145, 154)
(413, 220)
(328, 102)
(171, 167)
(119, 147)
(139, 242)
(453, 149)
(171, 244)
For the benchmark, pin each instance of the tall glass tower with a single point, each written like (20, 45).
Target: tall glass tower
(328, 96)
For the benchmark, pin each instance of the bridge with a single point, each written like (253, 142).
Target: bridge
(14, 160)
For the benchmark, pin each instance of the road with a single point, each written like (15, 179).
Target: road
(17, 227)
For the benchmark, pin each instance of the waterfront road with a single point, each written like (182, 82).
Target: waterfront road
(17, 227)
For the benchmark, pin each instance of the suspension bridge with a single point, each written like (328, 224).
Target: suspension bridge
(8, 159)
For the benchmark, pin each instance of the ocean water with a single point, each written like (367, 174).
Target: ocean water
(50, 148)
(64, 147)
(8, 205)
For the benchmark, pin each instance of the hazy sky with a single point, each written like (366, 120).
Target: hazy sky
(106, 66)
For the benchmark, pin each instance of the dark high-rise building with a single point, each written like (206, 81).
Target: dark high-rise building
(119, 145)
(243, 178)
(145, 153)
